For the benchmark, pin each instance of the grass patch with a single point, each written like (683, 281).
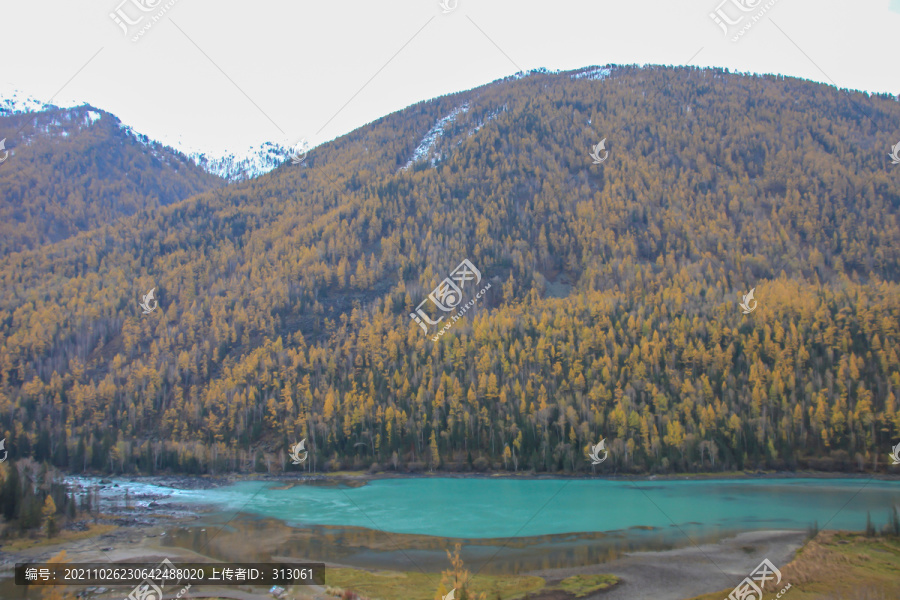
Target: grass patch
(63, 537)
(838, 565)
(395, 585)
(582, 585)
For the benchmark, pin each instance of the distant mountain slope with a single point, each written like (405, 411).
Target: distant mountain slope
(285, 301)
(71, 170)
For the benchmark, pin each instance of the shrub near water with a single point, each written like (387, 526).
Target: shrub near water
(582, 585)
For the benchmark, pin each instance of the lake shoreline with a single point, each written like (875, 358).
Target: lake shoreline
(674, 574)
(193, 482)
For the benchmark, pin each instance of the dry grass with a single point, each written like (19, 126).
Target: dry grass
(839, 566)
(391, 585)
(582, 585)
(64, 537)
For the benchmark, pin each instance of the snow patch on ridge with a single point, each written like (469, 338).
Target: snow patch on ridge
(431, 138)
(61, 123)
(252, 163)
(594, 73)
(138, 137)
(18, 103)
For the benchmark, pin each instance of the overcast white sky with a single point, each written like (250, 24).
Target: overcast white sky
(222, 75)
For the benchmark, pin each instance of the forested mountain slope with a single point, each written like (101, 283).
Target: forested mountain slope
(74, 169)
(613, 309)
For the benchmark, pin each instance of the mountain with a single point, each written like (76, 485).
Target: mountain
(73, 169)
(607, 305)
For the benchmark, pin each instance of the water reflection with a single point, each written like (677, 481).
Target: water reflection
(250, 538)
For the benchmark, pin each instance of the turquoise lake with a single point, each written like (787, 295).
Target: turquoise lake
(501, 508)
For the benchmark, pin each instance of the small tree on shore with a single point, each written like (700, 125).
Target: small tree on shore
(49, 514)
(435, 453)
(457, 577)
(56, 592)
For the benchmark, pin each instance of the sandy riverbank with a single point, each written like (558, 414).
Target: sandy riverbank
(673, 574)
(137, 544)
